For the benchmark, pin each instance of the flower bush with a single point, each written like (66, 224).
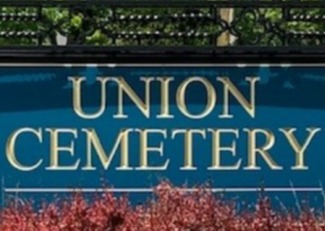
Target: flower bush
(169, 209)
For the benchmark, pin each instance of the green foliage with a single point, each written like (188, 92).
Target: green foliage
(96, 26)
(12, 26)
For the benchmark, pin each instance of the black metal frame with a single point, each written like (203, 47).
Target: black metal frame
(273, 41)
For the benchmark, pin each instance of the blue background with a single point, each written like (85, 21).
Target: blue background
(41, 96)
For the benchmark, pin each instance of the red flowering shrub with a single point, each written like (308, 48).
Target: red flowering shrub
(171, 209)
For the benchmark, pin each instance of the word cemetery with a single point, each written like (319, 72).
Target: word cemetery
(98, 153)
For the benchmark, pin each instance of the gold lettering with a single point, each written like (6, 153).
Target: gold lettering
(164, 94)
(76, 96)
(145, 149)
(299, 149)
(10, 148)
(229, 87)
(188, 145)
(263, 151)
(124, 87)
(218, 148)
(210, 92)
(122, 141)
(55, 149)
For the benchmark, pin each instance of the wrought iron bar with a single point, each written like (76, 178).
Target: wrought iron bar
(158, 26)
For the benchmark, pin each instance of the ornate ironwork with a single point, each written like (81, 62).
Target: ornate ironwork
(154, 25)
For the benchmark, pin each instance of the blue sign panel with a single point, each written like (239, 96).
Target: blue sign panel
(239, 127)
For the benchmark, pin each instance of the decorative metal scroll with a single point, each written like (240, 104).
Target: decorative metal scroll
(161, 23)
